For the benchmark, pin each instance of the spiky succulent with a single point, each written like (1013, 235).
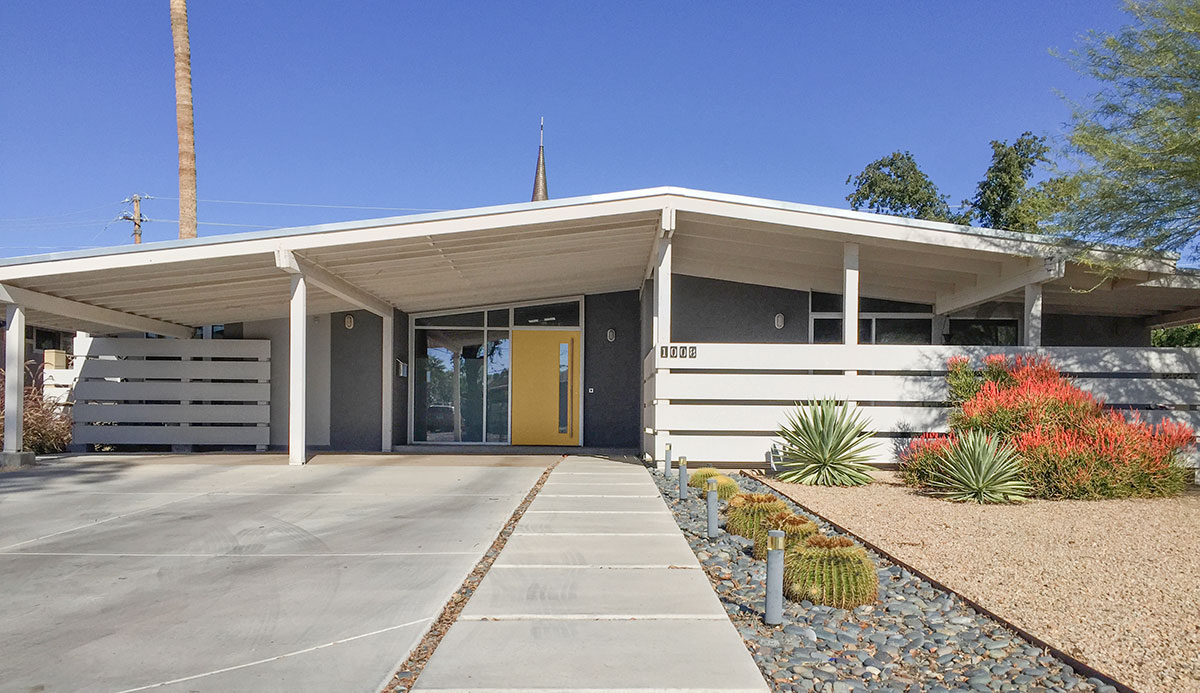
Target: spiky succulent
(831, 571)
(977, 467)
(698, 478)
(726, 488)
(746, 510)
(826, 444)
(795, 530)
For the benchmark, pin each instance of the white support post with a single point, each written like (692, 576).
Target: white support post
(850, 293)
(662, 323)
(1033, 315)
(662, 295)
(14, 390)
(388, 372)
(14, 381)
(297, 384)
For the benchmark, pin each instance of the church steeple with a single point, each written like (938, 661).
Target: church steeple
(539, 178)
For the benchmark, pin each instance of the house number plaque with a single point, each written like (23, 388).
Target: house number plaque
(677, 352)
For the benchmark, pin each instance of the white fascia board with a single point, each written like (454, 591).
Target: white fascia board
(66, 308)
(1048, 270)
(330, 283)
(242, 245)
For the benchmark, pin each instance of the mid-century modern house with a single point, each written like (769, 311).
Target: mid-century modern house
(627, 320)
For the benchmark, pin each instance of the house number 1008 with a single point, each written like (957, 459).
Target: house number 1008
(677, 352)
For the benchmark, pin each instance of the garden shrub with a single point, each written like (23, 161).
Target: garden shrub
(979, 467)
(1069, 444)
(47, 427)
(830, 570)
(747, 510)
(795, 530)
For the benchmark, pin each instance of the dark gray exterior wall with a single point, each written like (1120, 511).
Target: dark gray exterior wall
(712, 310)
(400, 388)
(355, 387)
(647, 308)
(612, 371)
(1090, 330)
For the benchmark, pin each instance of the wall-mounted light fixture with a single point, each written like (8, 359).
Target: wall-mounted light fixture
(349, 322)
(779, 321)
(611, 335)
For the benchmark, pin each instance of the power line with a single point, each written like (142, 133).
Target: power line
(302, 204)
(210, 223)
(63, 214)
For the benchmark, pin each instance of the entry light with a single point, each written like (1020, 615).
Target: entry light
(779, 321)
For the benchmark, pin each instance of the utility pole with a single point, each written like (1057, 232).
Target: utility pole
(136, 217)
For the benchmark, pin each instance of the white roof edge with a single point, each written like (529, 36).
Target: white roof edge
(661, 191)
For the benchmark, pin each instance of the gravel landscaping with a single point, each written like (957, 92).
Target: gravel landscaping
(1114, 583)
(915, 638)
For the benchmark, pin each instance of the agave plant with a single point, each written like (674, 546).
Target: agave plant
(979, 468)
(795, 530)
(831, 571)
(826, 444)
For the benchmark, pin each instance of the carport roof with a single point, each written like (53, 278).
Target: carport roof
(569, 246)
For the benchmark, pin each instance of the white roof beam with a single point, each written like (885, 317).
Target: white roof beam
(1047, 270)
(67, 308)
(1190, 316)
(330, 283)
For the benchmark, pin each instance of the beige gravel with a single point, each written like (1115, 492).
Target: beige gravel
(1114, 583)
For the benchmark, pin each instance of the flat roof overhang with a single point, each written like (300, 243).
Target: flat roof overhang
(579, 245)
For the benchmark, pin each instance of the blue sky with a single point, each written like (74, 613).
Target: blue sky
(436, 105)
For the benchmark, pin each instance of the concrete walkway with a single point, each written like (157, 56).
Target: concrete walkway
(596, 590)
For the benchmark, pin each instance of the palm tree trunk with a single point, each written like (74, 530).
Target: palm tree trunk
(184, 122)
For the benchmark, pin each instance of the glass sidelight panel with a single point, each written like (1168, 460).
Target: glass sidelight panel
(449, 386)
(564, 387)
(499, 360)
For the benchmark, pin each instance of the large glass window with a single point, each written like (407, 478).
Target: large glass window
(983, 332)
(462, 365)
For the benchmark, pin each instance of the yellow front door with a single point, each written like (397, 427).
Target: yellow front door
(545, 387)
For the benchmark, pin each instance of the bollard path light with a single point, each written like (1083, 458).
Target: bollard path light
(712, 508)
(664, 467)
(683, 487)
(775, 545)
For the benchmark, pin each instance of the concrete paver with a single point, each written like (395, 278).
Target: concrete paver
(587, 595)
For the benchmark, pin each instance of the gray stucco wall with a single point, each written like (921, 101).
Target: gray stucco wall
(355, 383)
(712, 310)
(647, 310)
(612, 371)
(1090, 330)
(317, 376)
(400, 389)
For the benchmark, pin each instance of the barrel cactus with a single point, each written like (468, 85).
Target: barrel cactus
(726, 488)
(698, 478)
(831, 571)
(746, 510)
(795, 530)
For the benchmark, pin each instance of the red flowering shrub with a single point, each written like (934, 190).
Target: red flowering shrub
(1070, 444)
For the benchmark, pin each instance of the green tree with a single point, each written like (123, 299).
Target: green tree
(1139, 183)
(1182, 336)
(896, 185)
(1004, 199)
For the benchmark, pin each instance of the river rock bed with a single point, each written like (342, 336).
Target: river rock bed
(914, 638)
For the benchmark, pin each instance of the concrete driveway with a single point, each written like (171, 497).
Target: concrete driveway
(195, 574)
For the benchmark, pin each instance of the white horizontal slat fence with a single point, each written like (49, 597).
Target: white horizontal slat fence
(725, 402)
(167, 391)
